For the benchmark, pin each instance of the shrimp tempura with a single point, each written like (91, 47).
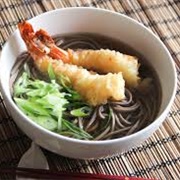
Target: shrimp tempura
(94, 88)
(105, 61)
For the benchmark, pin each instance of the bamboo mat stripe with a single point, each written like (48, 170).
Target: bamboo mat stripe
(159, 156)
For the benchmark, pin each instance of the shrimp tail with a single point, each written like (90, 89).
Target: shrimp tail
(26, 31)
(41, 43)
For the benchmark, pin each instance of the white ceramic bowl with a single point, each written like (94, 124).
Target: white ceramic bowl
(115, 25)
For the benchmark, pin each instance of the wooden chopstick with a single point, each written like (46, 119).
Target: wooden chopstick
(50, 174)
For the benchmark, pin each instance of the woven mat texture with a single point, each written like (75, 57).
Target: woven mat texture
(159, 156)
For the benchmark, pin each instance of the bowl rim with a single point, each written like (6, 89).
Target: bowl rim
(98, 142)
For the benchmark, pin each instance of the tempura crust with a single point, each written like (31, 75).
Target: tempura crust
(94, 88)
(105, 61)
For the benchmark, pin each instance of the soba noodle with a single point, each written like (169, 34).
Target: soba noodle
(116, 118)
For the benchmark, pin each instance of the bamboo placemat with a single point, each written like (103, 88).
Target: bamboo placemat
(159, 156)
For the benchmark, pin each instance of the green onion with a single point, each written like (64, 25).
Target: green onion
(64, 81)
(46, 103)
(31, 107)
(51, 72)
(20, 86)
(45, 121)
(77, 131)
(81, 112)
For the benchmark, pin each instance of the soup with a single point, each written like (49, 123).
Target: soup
(74, 115)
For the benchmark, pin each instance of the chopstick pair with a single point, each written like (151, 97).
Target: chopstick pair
(50, 174)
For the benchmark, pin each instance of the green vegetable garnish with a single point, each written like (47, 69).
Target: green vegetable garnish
(46, 102)
(75, 131)
(20, 86)
(81, 112)
(51, 72)
(66, 84)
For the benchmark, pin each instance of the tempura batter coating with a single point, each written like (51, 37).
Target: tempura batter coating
(105, 61)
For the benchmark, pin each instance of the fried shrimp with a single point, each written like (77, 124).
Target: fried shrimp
(94, 88)
(105, 60)
(102, 61)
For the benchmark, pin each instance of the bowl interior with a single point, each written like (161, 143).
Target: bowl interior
(90, 20)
